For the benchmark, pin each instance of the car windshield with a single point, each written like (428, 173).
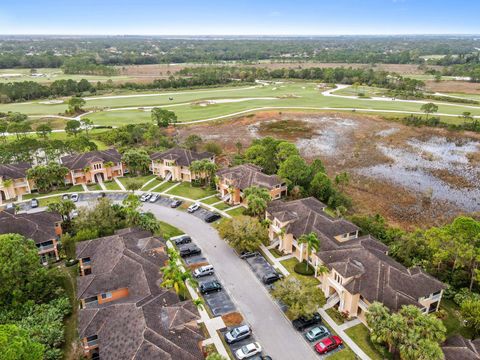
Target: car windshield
(322, 345)
(235, 332)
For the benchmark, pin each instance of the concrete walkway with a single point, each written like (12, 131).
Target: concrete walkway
(170, 188)
(274, 260)
(85, 188)
(350, 324)
(346, 339)
(148, 182)
(102, 185)
(158, 185)
(119, 183)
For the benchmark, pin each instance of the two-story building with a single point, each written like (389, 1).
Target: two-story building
(358, 268)
(233, 181)
(14, 182)
(44, 228)
(457, 347)
(174, 164)
(125, 313)
(93, 166)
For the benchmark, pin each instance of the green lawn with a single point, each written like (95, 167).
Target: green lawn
(211, 200)
(186, 189)
(236, 212)
(111, 185)
(167, 231)
(76, 188)
(453, 321)
(361, 336)
(152, 184)
(68, 279)
(164, 186)
(308, 280)
(222, 206)
(94, 187)
(336, 316)
(143, 179)
(45, 201)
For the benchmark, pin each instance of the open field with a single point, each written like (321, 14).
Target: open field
(210, 104)
(51, 74)
(453, 87)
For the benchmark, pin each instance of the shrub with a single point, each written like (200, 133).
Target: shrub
(302, 269)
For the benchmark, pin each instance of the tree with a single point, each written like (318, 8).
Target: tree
(16, 344)
(87, 124)
(243, 233)
(301, 299)
(321, 187)
(284, 150)
(257, 199)
(44, 130)
(192, 141)
(470, 310)
(215, 356)
(312, 243)
(205, 169)
(295, 170)
(103, 219)
(213, 147)
(73, 127)
(75, 104)
(429, 108)
(48, 177)
(176, 278)
(342, 179)
(133, 184)
(23, 279)
(163, 117)
(64, 208)
(3, 130)
(19, 128)
(137, 160)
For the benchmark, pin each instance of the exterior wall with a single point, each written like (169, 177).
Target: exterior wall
(50, 251)
(80, 176)
(224, 185)
(431, 299)
(116, 294)
(179, 173)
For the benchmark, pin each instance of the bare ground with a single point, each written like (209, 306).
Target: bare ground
(353, 143)
(453, 87)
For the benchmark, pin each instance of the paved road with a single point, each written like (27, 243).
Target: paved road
(271, 328)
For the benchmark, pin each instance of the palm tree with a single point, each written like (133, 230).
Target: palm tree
(311, 241)
(198, 303)
(257, 199)
(321, 269)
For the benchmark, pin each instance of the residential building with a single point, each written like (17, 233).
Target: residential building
(358, 268)
(233, 181)
(457, 347)
(44, 228)
(125, 313)
(174, 164)
(13, 181)
(93, 166)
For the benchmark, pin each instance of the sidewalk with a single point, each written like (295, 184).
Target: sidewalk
(274, 260)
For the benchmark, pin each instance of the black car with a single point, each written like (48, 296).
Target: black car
(175, 203)
(182, 239)
(34, 203)
(271, 277)
(303, 322)
(190, 250)
(212, 217)
(65, 197)
(210, 286)
(248, 254)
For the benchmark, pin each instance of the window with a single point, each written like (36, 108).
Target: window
(436, 293)
(277, 196)
(107, 295)
(97, 166)
(337, 278)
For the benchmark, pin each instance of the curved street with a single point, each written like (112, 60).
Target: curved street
(274, 332)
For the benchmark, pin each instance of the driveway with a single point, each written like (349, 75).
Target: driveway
(274, 332)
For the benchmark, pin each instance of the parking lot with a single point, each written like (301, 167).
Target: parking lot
(260, 267)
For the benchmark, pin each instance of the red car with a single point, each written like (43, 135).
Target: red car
(328, 344)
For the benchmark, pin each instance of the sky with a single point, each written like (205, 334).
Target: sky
(239, 17)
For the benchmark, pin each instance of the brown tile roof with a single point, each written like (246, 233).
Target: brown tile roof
(14, 171)
(39, 226)
(80, 161)
(151, 322)
(182, 157)
(246, 175)
(458, 348)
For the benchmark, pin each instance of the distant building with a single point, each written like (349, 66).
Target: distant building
(93, 166)
(125, 313)
(174, 164)
(359, 268)
(44, 228)
(14, 182)
(233, 181)
(458, 348)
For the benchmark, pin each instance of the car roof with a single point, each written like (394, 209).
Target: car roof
(327, 341)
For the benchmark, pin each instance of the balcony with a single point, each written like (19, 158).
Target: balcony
(21, 184)
(78, 174)
(45, 248)
(335, 285)
(363, 305)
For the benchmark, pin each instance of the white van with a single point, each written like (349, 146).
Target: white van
(203, 271)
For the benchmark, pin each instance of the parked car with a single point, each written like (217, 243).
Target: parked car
(203, 271)
(210, 286)
(181, 240)
(261, 357)
(303, 322)
(271, 277)
(145, 197)
(212, 217)
(189, 250)
(248, 254)
(248, 351)
(237, 334)
(318, 332)
(328, 344)
(154, 198)
(74, 197)
(34, 203)
(101, 195)
(65, 197)
(176, 203)
(194, 207)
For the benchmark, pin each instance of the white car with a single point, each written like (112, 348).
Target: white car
(248, 350)
(74, 197)
(145, 197)
(154, 198)
(203, 271)
(194, 207)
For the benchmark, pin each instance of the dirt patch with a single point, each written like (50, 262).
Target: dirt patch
(286, 129)
(453, 87)
(232, 319)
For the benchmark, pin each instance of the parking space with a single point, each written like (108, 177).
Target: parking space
(313, 343)
(260, 267)
(202, 213)
(218, 302)
(234, 347)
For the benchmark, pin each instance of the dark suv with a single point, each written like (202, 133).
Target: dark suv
(271, 277)
(189, 250)
(182, 239)
(210, 286)
(212, 217)
(303, 322)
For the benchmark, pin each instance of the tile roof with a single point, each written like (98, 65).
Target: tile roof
(39, 226)
(182, 157)
(151, 322)
(14, 171)
(246, 175)
(80, 161)
(458, 348)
